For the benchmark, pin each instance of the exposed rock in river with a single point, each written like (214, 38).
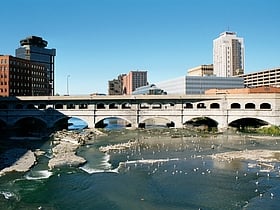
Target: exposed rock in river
(65, 146)
(18, 159)
(64, 153)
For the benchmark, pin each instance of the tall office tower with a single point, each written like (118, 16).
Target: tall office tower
(133, 80)
(33, 48)
(228, 55)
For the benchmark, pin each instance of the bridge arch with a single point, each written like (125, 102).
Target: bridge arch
(156, 106)
(201, 105)
(83, 106)
(42, 106)
(125, 105)
(70, 106)
(61, 123)
(113, 106)
(156, 122)
(100, 106)
(265, 106)
(250, 106)
(202, 122)
(100, 122)
(188, 106)
(75, 123)
(235, 106)
(242, 123)
(144, 106)
(58, 106)
(214, 106)
(31, 126)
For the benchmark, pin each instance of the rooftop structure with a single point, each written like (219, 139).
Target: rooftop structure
(202, 70)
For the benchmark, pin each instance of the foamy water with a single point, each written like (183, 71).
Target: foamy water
(7, 195)
(36, 175)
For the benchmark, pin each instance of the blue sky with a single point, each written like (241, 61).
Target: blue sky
(96, 40)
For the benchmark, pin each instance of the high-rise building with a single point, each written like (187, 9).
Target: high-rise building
(133, 80)
(228, 55)
(33, 48)
(21, 77)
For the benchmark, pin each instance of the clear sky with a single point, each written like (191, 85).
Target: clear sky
(96, 40)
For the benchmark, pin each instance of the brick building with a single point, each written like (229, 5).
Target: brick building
(133, 80)
(20, 77)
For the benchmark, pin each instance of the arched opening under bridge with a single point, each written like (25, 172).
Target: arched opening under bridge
(247, 123)
(113, 123)
(201, 123)
(30, 127)
(61, 124)
(75, 123)
(156, 122)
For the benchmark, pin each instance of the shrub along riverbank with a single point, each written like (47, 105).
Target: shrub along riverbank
(264, 130)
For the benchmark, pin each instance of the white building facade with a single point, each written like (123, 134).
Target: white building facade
(188, 85)
(228, 55)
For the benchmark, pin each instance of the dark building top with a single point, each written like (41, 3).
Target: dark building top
(34, 41)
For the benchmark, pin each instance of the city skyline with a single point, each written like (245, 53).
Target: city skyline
(98, 40)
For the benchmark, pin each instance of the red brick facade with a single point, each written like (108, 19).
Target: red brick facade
(20, 77)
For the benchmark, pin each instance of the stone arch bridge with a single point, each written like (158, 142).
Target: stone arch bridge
(223, 109)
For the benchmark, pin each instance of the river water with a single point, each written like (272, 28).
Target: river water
(159, 172)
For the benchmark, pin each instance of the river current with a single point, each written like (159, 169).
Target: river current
(159, 172)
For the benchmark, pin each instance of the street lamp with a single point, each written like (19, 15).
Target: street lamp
(68, 84)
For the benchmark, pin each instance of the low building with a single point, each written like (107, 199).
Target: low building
(20, 77)
(269, 77)
(198, 85)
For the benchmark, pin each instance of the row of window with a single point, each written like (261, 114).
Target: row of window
(142, 106)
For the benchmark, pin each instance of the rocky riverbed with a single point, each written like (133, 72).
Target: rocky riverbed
(64, 146)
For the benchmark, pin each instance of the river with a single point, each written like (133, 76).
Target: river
(159, 172)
